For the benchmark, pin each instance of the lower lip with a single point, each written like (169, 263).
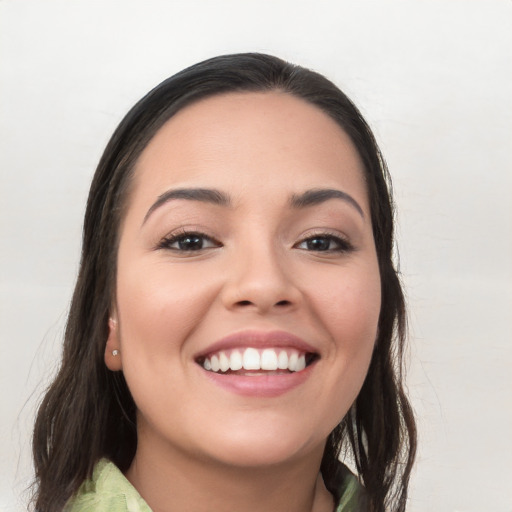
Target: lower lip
(260, 385)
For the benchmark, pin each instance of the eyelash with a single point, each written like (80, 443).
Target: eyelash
(342, 245)
(181, 236)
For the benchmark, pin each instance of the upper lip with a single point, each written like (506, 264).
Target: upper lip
(257, 339)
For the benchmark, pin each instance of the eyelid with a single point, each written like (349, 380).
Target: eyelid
(344, 243)
(182, 232)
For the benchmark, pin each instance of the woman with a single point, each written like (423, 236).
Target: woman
(237, 323)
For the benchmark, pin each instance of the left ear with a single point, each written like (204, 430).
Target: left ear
(113, 357)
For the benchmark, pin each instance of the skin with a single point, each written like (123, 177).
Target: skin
(203, 447)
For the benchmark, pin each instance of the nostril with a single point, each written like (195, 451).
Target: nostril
(281, 303)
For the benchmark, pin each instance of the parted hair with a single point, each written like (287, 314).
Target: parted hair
(88, 412)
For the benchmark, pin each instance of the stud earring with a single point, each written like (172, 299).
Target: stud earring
(115, 352)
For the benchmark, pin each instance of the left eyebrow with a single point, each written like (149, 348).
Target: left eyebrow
(320, 195)
(205, 195)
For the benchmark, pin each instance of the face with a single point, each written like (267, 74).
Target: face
(248, 290)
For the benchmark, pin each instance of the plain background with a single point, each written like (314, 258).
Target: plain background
(434, 79)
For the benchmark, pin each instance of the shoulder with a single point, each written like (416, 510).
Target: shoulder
(107, 490)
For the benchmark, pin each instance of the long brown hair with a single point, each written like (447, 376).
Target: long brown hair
(88, 412)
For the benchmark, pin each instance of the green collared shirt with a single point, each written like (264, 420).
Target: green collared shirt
(110, 491)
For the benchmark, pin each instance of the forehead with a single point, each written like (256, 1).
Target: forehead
(263, 141)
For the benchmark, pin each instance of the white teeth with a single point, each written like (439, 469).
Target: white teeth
(282, 360)
(235, 361)
(301, 363)
(251, 359)
(215, 364)
(269, 359)
(224, 362)
(292, 362)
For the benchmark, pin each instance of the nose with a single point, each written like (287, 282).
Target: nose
(260, 280)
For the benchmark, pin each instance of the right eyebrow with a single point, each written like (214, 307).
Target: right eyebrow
(205, 195)
(320, 195)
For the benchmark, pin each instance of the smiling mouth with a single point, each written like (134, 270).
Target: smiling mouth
(253, 361)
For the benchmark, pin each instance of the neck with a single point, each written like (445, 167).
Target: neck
(169, 480)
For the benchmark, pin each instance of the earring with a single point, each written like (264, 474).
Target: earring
(115, 352)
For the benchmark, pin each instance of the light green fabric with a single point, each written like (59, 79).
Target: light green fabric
(351, 498)
(110, 491)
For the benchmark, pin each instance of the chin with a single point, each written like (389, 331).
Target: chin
(264, 448)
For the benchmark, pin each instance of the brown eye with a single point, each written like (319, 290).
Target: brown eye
(318, 244)
(188, 242)
(325, 243)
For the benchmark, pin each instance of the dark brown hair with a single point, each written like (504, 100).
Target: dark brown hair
(88, 412)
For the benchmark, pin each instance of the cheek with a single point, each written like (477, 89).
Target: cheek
(158, 307)
(158, 311)
(349, 308)
(350, 304)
